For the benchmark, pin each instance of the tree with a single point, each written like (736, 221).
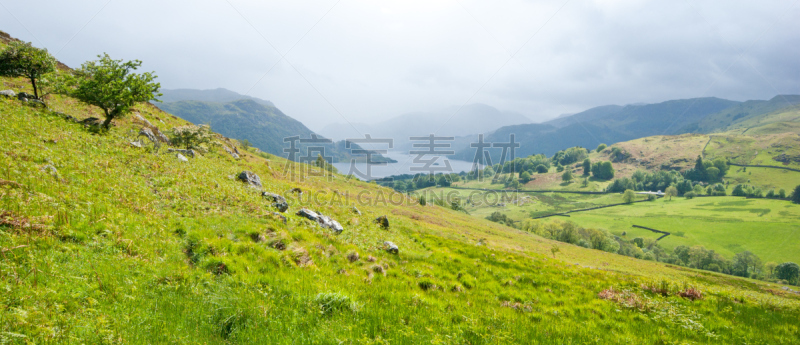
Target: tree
(525, 177)
(745, 264)
(190, 136)
(587, 166)
(713, 174)
(700, 169)
(782, 194)
(738, 191)
(112, 86)
(788, 271)
(567, 176)
(671, 191)
(689, 195)
(541, 168)
(600, 147)
(722, 165)
(603, 170)
(796, 195)
(629, 196)
(21, 59)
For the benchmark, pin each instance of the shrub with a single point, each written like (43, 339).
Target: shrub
(689, 195)
(541, 169)
(191, 136)
(629, 196)
(796, 195)
(788, 271)
(600, 147)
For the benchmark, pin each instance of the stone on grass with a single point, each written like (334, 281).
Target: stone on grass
(383, 221)
(182, 158)
(189, 153)
(278, 201)
(391, 247)
(147, 133)
(249, 178)
(356, 211)
(8, 93)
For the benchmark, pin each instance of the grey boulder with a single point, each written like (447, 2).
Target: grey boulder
(391, 247)
(182, 158)
(189, 153)
(249, 178)
(8, 93)
(278, 201)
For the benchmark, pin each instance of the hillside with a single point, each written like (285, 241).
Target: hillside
(259, 122)
(747, 114)
(606, 124)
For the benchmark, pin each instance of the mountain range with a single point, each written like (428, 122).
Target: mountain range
(613, 123)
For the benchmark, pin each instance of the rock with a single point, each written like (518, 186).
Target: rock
(8, 93)
(296, 190)
(391, 247)
(328, 222)
(356, 211)
(279, 202)
(161, 137)
(137, 144)
(189, 153)
(23, 96)
(322, 220)
(146, 132)
(382, 221)
(250, 178)
(38, 103)
(182, 158)
(306, 213)
(233, 154)
(236, 150)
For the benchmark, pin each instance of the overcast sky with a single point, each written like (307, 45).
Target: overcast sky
(364, 61)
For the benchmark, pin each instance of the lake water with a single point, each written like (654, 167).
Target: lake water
(404, 164)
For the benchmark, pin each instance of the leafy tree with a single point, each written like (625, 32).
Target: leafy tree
(586, 182)
(541, 169)
(587, 166)
(745, 264)
(567, 176)
(21, 59)
(796, 195)
(629, 196)
(525, 177)
(722, 165)
(713, 174)
(603, 170)
(782, 194)
(788, 271)
(671, 191)
(771, 193)
(689, 195)
(738, 190)
(113, 86)
(488, 171)
(600, 147)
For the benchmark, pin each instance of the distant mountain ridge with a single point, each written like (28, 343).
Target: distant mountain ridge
(248, 118)
(613, 123)
(218, 95)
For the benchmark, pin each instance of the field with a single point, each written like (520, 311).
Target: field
(105, 242)
(728, 225)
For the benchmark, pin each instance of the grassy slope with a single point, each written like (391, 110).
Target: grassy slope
(108, 260)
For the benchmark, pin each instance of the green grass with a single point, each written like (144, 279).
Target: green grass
(728, 225)
(130, 245)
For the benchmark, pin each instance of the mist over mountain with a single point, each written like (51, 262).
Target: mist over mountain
(453, 121)
(219, 95)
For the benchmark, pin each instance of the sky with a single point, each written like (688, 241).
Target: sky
(339, 61)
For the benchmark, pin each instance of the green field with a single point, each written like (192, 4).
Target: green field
(728, 225)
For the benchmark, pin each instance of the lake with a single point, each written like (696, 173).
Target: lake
(404, 164)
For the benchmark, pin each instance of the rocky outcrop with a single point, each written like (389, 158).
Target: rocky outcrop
(250, 178)
(278, 201)
(321, 219)
(233, 154)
